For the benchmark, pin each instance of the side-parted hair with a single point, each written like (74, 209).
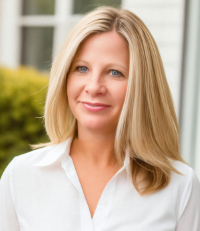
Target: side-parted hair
(147, 126)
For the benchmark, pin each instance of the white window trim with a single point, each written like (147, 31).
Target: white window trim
(65, 21)
(10, 33)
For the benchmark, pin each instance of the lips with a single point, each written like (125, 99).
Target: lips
(95, 106)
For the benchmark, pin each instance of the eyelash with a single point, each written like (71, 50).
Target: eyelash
(119, 75)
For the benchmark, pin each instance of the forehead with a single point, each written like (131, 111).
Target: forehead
(107, 46)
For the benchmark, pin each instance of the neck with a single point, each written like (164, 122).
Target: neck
(94, 147)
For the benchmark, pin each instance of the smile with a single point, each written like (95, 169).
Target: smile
(94, 106)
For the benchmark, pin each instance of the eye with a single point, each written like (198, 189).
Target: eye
(81, 69)
(116, 73)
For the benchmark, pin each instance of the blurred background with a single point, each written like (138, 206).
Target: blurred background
(31, 34)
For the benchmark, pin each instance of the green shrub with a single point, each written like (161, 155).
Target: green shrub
(22, 98)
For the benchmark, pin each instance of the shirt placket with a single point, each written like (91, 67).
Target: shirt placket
(86, 222)
(102, 211)
(105, 202)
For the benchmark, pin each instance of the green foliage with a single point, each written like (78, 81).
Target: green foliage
(22, 98)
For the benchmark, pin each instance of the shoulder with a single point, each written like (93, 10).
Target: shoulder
(40, 158)
(183, 168)
(187, 177)
(32, 157)
(26, 160)
(20, 167)
(187, 174)
(186, 185)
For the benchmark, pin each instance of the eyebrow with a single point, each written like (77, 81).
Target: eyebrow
(109, 64)
(116, 64)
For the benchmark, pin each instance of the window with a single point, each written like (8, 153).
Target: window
(84, 6)
(37, 43)
(37, 32)
(38, 7)
(41, 35)
(35, 29)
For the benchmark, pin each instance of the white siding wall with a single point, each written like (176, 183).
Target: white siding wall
(164, 18)
(190, 117)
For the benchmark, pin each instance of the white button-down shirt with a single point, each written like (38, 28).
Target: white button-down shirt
(40, 191)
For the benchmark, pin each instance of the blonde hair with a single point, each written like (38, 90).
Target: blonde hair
(147, 126)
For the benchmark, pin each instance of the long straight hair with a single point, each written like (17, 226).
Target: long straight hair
(147, 126)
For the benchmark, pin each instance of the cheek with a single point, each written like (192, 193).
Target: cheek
(71, 91)
(120, 93)
(74, 90)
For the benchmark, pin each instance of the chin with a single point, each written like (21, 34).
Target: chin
(97, 124)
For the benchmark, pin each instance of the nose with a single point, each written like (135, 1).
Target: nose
(95, 86)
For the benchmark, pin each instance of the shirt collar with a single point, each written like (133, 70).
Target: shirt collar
(59, 150)
(55, 153)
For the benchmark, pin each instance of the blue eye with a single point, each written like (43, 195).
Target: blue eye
(116, 73)
(82, 68)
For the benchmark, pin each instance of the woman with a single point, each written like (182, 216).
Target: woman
(114, 161)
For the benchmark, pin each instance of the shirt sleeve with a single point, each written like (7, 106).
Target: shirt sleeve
(190, 218)
(8, 216)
